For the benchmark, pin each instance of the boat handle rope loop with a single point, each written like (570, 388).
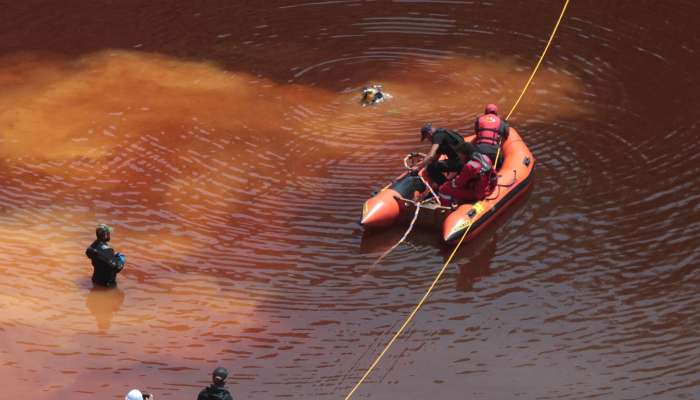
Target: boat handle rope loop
(466, 231)
(412, 156)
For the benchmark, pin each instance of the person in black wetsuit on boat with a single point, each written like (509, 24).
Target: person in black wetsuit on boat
(105, 262)
(444, 142)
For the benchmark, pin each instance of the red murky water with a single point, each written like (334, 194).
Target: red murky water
(225, 144)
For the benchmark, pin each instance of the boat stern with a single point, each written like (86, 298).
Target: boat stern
(454, 227)
(460, 220)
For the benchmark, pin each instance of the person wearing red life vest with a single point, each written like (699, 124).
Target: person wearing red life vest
(491, 131)
(475, 182)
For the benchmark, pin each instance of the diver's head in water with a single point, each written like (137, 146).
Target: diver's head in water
(103, 232)
(372, 95)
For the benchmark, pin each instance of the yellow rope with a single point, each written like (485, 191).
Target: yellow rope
(449, 259)
(537, 66)
(410, 317)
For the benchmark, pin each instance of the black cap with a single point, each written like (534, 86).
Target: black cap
(220, 374)
(425, 131)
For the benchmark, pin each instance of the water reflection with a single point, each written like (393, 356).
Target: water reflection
(379, 241)
(103, 304)
(477, 266)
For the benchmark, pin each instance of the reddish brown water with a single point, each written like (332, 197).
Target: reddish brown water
(224, 142)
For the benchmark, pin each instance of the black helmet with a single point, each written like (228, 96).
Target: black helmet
(219, 374)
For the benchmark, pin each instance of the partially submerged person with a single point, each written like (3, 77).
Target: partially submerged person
(491, 131)
(444, 142)
(216, 391)
(372, 95)
(105, 262)
(475, 182)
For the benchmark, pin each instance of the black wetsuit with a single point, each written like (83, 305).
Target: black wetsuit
(214, 392)
(105, 262)
(448, 141)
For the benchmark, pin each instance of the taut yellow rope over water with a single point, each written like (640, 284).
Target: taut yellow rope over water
(537, 66)
(454, 251)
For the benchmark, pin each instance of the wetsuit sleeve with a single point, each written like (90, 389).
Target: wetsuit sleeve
(203, 395)
(111, 259)
(457, 136)
(506, 131)
(106, 256)
(467, 174)
(439, 136)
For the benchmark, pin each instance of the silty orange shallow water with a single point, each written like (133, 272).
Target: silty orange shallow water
(225, 144)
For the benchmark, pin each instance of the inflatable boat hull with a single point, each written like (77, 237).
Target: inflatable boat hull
(396, 202)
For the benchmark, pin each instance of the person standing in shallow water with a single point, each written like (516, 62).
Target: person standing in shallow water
(105, 262)
(216, 390)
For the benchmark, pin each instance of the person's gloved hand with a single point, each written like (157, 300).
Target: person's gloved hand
(121, 258)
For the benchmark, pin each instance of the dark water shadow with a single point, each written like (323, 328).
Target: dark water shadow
(265, 38)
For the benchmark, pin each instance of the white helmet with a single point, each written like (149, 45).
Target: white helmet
(134, 394)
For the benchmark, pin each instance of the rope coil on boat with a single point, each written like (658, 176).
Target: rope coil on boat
(410, 165)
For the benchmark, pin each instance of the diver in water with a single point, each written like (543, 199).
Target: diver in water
(106, 263)
(373, 95)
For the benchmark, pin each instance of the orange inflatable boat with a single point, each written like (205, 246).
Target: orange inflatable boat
(397, 201)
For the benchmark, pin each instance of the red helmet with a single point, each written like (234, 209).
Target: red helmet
(491, 109)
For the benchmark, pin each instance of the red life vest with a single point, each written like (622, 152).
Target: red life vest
(490, 129)
(486, 182)
(475, 182)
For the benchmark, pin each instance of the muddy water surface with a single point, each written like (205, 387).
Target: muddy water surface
(225, 144)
